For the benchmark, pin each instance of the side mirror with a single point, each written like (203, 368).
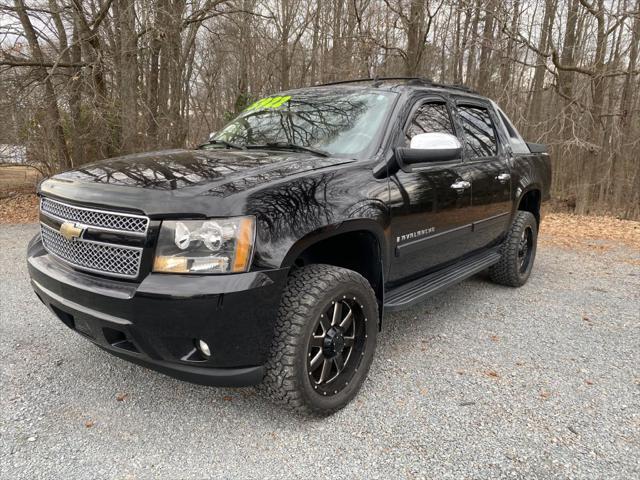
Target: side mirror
(429, 147)
(212, 135)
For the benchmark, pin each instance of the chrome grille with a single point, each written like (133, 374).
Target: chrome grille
(122, 222)
(118, 260)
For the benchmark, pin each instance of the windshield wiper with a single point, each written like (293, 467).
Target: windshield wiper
(289, 146)
(226, 144)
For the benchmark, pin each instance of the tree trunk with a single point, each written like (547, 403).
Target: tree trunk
(129, 77)
(315, 43)
(471, 58)
(75, 101)
(484, 77)
(537, 97)
(565, 77)
(336, 49)
(50, 100)
(415, 37)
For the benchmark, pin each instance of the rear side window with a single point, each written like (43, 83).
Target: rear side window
(430, 117)
(479, 133)
(518, 145)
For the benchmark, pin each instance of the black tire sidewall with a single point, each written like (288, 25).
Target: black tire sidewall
(507, 270)
(366, 299)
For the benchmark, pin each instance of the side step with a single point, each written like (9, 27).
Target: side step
(413, 292)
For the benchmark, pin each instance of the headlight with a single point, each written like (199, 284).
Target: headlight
(219, 245)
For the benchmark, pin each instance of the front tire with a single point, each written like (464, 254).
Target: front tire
(518, 252)
(325, 338)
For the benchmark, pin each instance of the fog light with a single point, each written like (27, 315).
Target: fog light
(204, 348)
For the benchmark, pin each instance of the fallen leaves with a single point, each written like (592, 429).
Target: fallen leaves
(492, 374)
(19, 208)
(121, 397)
(89, 423)
(588, 232)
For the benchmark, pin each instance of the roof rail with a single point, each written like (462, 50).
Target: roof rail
(411, 80)
(375, 79)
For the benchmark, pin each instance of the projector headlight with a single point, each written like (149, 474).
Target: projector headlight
(219, 245)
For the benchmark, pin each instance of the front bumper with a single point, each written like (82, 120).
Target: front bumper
(156, 322)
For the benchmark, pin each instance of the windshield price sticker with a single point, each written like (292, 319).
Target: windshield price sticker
(269, 102)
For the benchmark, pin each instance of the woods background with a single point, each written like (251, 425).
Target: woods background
(83, 80)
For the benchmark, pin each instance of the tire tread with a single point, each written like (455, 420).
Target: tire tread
(505, 272)
(306, 287)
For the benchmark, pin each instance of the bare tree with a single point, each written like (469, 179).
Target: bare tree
(87, 80)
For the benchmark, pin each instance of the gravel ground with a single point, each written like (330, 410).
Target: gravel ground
(479, 382)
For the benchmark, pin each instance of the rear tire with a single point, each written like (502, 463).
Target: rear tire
(518, 252)
(325, 338)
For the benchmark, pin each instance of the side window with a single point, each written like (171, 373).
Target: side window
(478, 130)
(430, 117)
(518, 145)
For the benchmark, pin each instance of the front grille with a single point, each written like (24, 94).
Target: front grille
(122, 222)
(92, 255)
(88, 255)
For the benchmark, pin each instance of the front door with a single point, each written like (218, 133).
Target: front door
(430, 221)
(488, 170)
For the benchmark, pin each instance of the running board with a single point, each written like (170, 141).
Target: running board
(413, 292)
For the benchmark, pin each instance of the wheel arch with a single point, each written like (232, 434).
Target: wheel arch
(358, 245)
(530, 200)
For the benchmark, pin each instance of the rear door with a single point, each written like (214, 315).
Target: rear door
(487, 161)
(430, 217)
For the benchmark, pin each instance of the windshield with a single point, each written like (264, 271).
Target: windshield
(343, 123)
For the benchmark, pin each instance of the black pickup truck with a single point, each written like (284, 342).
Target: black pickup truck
(269, 254)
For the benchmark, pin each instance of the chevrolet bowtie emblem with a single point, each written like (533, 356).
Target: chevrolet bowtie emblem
(70, 231)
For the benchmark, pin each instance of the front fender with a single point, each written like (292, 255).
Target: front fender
(324, 233)
(294, 214)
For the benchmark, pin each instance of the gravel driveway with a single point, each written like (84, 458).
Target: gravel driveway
(482, 381)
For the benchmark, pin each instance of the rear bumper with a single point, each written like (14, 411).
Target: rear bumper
(155, 323)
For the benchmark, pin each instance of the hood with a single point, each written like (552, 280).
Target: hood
(179, 181)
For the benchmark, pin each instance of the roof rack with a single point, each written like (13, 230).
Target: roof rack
(410, 80)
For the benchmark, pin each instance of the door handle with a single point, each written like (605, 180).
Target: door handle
(461, 185)
(503, 177)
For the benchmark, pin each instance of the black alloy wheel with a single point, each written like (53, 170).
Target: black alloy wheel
(336, 346)
(324, 341)
(525, 248)
(518, 251)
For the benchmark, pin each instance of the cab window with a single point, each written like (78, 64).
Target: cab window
(428, 118)
(479, 132)
(518, 145)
